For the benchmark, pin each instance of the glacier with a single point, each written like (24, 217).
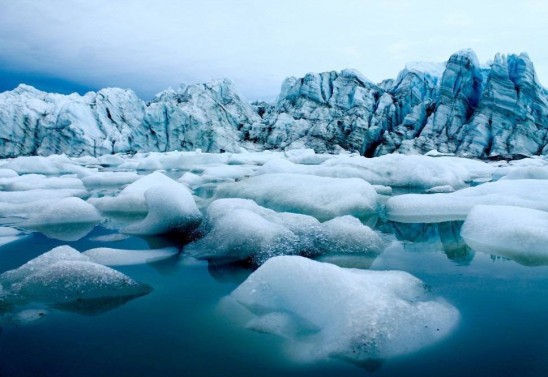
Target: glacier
(461, 107)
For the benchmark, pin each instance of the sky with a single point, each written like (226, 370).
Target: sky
(150, 45)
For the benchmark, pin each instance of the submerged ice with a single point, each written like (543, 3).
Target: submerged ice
(357, 315)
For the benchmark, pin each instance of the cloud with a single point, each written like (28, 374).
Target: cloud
(149, 45)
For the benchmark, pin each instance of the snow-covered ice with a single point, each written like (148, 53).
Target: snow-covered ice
(9, 235)
(321, 197)
(106, 179)
(422, 208)
(241, 229)
(131, 200)
(511, 232)
(120, 257)
(68, 219)
(171, 209)
(357, 315)
(63, 275)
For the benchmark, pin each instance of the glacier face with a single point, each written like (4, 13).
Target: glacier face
(461, 107)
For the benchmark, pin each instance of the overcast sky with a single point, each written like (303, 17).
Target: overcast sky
(149, 45)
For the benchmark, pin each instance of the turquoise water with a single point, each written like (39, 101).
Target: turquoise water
(180, 328)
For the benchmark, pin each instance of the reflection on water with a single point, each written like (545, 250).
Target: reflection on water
(175, 330)
(95, 306)
(66, 232)
(444, 236)
(229, 272)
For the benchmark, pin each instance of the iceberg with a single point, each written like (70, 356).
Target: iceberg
(240, 229)
(171, 209)
(131, 200)
(63, 275)
(511, 232)
(356, 315)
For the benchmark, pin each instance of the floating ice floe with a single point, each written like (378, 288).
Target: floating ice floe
(392, 170)
(68, 219)
(516, 233)
(528, 172)
(119, 257)
(38, 181)
(51, 165)
(24, 204)
(109, 179)
(171, 209)
(131, 200)
(9, 235)
(356, 315)
(431, 208)
(180, 160)
(321, 197)
(241, 229)
(63, 275)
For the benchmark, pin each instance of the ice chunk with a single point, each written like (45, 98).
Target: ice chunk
(37, 181)
(397, 170)
(9, 235)
(529, 172)
(68, 219)
(119, 257)
(392, 170)
(357, 315)
(417, 208)
(321, 197)
(131, 200)
(25, 204)
(110, 160)
(39, 194)
(63, 275)
(106, 179)
(180, 160)
(7, 173)
(61, 253)
(346, 234)
(515, 233)
(241, 229)
(51, 165)
(440, 190)
(171, 209)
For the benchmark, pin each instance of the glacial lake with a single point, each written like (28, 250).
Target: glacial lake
(184, 326)
(180, 328)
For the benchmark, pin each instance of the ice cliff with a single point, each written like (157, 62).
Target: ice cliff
(499, 110)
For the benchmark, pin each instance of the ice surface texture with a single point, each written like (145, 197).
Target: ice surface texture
(241, 229)
(515, 233)
(63, 275)
(321, 197)
(455, 107)
(415, 208)
(357, 315)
